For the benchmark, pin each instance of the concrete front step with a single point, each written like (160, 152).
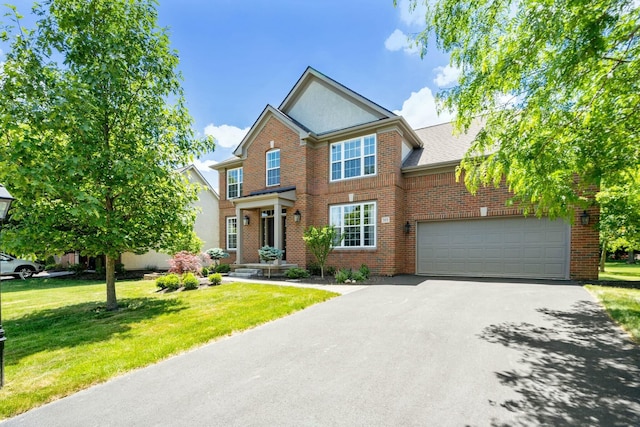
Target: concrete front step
(246, 272)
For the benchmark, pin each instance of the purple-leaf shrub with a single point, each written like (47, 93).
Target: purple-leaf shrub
(185, 262)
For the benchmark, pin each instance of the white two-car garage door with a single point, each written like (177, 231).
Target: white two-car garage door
(489, 247)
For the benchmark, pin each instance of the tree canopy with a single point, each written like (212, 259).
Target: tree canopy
(93, 127)
(557, 84)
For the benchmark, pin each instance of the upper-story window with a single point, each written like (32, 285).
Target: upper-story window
(234, 183)
(353, 158)
(273, 167)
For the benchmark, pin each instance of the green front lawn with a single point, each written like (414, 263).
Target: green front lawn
(622, 304)
(60, 339)
(620, 271)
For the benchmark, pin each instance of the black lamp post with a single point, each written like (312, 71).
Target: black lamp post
(5, 204)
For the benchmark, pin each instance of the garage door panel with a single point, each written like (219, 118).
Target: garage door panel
(503, 247)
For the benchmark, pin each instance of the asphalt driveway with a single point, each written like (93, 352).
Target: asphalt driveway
(440, 353)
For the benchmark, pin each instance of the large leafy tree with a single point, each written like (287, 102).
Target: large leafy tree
(93, 127)
(557, 83)
(620, 214)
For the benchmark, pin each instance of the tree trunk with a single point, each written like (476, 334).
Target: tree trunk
(631, 257)
(112, 301)
(603, 256)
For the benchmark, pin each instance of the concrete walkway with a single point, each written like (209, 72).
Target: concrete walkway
(442, 353)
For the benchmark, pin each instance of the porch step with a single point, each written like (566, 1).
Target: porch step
(246, 272)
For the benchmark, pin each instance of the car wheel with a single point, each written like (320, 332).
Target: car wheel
(25, 272)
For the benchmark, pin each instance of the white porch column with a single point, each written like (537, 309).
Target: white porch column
(277, 225)
(239, 232)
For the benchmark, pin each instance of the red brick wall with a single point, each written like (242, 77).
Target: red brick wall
(400, 199)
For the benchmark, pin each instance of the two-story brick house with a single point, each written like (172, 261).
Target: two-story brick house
(328, 155)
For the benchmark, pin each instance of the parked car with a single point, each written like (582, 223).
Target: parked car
(11, 266)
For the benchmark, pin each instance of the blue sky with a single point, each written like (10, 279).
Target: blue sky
(238, 56)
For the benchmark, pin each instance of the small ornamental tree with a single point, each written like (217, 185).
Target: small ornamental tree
(321, 242)
(216, 254)
(184, 262)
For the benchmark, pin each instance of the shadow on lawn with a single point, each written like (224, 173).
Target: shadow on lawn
(17, 285)
(583, 371)
(69, 326)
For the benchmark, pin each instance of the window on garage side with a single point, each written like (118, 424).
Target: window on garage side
(357, 223)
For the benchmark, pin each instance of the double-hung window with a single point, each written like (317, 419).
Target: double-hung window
(234, 183)
(273, 167)
(232, 233)
(353, 158)
(357, 223)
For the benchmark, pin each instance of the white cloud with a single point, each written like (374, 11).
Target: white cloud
(413, 17)
(204, 165)
(447, 75)
(400, 41)
(420, 110)
(226, 136)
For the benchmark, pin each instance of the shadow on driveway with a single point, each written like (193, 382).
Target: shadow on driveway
(578, 373)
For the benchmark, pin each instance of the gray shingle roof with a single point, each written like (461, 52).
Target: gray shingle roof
(441, 146)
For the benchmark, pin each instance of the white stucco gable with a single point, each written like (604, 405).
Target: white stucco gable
(323, 105)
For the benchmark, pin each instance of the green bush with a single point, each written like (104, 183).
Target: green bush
(172, 281)
(77, 268)
(364, 270)
(120, 268)
(343, 275)
(296, 273)
(190, 281)
(204, 271)
(223, 268)
(161, 282)
(331, 270)
(215, 279)
(314, 268)
(358, 276)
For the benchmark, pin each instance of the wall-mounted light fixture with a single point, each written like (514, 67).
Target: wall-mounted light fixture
(407, 228)
(584, 218)
(297, 216)
(246, 220)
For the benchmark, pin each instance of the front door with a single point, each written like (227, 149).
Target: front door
(267, 226)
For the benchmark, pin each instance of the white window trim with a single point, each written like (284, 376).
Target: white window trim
(362, 157)
(374, 223)
(227, 234)
(266, 158)
(239, 183)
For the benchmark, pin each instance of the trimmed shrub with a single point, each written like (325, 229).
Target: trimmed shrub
(364, 270)
(184, 262)
(215, 279)
(77, 268)
(358, 276)
(172, 281)
(223, 268)
(161, 282)
(120, 268)
(343, 275)
(190, 281)
(331, 270)
(204, 271)
(269, 253)
(296, 273)
(314, 269)
(216, 254)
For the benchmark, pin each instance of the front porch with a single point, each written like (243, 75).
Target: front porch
(259, 269)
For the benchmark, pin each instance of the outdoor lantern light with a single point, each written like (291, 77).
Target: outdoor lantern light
(407, 228)
(246, 220)
(584, 218)
(297, 216)
(5, 204)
